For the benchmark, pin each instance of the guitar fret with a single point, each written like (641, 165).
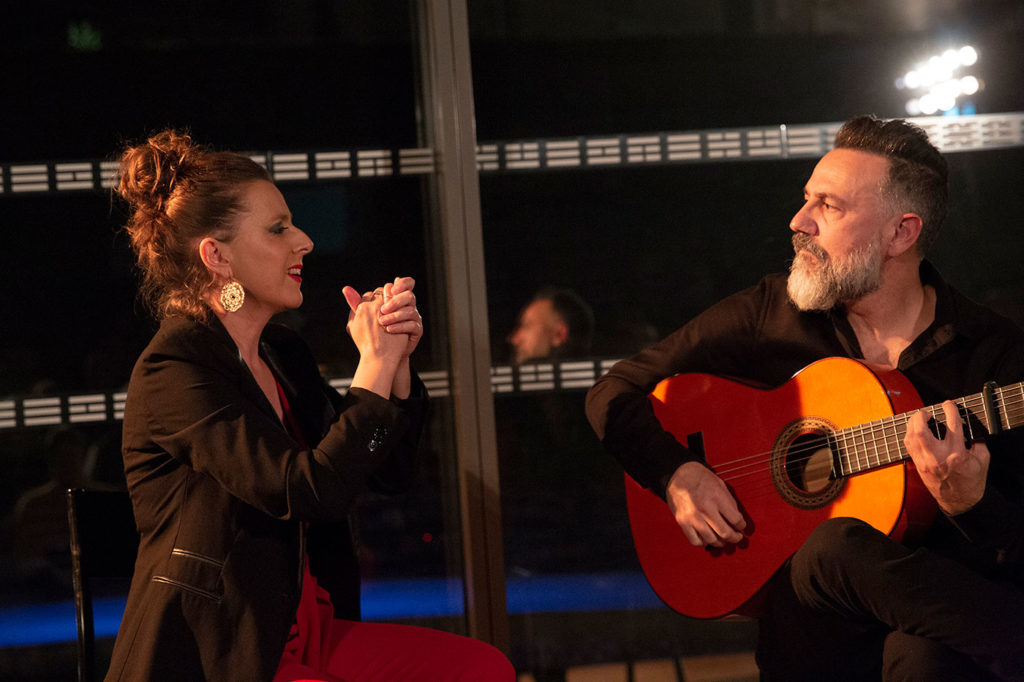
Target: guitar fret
(864, 446)
(975, 407)
(852, 450)
(869, 445)
(856, 466)
(885, 441)
(1011, 395)
(968, 422)
(874, 442)
(1001, 412)
(845, 450)
(1001, 397)
(899, 432)
(888, 455)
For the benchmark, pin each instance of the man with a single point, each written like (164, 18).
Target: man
(853, 603)
(557, 323)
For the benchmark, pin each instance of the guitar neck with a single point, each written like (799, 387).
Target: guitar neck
(880, 443)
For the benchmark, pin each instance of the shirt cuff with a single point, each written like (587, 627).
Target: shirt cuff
(983, 523)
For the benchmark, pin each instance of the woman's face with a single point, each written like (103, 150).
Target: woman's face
(267, 250)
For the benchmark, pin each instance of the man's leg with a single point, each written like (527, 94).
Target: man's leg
(909, 658)
(850, 570)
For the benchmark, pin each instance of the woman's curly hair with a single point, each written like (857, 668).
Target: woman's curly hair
(178, 193)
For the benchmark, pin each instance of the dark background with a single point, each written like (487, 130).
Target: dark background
(319, 75)
(647, 246)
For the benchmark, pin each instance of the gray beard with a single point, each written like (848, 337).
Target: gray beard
(823, 285)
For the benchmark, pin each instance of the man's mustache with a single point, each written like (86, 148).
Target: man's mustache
(802, 241)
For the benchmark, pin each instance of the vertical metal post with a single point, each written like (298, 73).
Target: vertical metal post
(449, 123)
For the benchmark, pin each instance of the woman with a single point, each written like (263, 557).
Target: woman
(242, 463)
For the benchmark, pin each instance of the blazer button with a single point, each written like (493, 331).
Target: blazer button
(377, 440)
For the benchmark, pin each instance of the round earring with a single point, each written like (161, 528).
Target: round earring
(232, 296)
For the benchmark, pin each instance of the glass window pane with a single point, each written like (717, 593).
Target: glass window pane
(634, 155)
(327, 96)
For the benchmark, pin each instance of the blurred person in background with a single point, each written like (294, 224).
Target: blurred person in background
(556, 324)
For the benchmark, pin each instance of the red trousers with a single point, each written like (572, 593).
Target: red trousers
(321, 647)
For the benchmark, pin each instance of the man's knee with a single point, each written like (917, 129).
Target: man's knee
(834, 542)
(837, 554)
(909, 657)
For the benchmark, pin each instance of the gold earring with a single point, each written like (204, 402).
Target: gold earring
(232, 296)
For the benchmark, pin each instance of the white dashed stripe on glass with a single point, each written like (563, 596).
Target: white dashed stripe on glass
(949, 133)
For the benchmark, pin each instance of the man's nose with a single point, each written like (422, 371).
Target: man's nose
(802, 222)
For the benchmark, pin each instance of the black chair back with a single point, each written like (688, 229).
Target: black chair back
(104, 542)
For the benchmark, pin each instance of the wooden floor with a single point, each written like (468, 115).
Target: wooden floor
(738, 667)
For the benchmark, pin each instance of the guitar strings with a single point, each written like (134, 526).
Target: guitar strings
(1012, 409)
(891, 429)
(738, 469)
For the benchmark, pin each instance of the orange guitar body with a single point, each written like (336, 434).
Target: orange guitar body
(749, 436)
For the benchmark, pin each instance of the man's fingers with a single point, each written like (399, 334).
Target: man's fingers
(708, 536)
(953, 421)
(692, 537)
(727, 530)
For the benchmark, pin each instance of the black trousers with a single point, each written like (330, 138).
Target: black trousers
(852, 604)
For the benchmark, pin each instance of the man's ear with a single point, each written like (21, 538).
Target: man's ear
(215, 257)
(906, 234)
(560, 334)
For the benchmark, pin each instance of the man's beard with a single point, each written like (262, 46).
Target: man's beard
(821, 285)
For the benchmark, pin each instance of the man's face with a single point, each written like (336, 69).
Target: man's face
(537, 333)
(842, 231)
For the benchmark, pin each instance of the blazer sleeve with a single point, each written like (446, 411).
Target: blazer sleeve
(196, 403)
(398, 472)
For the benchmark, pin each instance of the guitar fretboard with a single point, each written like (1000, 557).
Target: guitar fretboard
(879, 443)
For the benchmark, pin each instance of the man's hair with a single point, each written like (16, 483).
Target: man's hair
(576, 313)
(918, 179)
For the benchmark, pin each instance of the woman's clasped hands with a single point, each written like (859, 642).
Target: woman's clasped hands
(385, 322)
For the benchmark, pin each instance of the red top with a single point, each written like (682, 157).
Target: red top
(315, 612)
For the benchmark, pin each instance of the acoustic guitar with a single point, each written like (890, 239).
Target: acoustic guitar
(827, 443)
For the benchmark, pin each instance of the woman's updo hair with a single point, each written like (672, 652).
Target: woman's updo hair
(178, 193)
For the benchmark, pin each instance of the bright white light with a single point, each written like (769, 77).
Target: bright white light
(934, 71)
(951, 58)
(935, 78)
(950, 88)
(945, 101)
(943, 69)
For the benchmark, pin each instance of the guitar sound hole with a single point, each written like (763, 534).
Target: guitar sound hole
(809, 463)
(801, 464)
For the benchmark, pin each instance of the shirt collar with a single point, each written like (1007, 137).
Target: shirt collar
(947, 324)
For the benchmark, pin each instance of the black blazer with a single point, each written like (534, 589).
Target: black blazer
(222, 496)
